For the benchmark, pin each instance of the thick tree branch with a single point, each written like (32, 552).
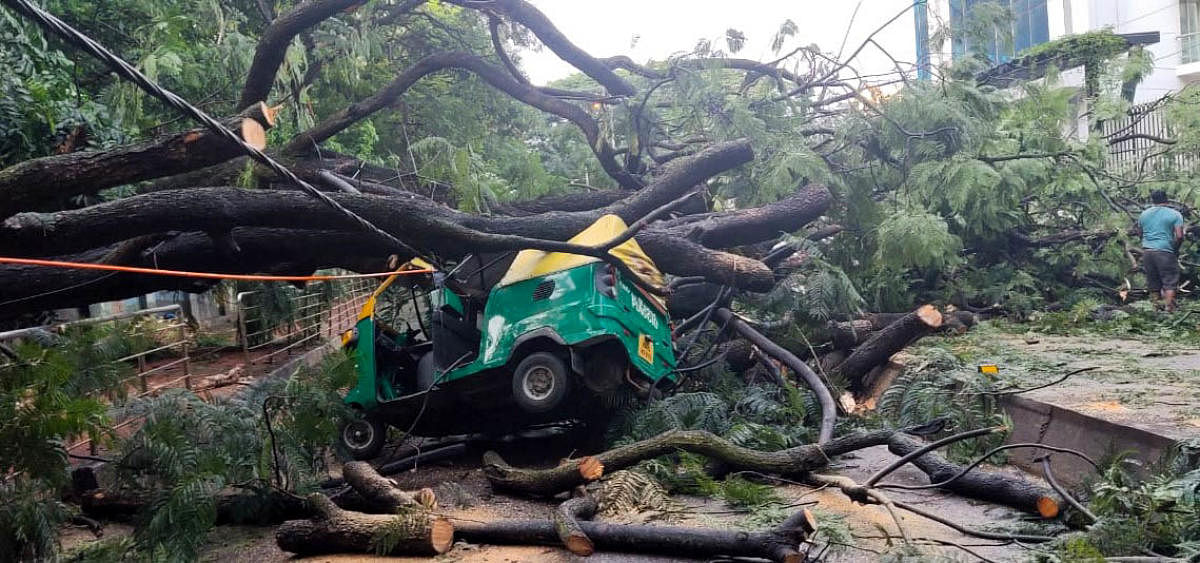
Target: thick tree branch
(25, 289)
(533, 19)
(272, 46)
(495, 76)
(432, 227)
(44, 183)
(498, 46)
(747, 226)
(791, 461)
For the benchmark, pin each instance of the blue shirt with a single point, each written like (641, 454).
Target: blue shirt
(1158, 228)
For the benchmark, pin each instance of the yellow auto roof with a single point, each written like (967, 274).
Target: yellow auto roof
(533, 263)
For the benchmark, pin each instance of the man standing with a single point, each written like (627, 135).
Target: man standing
(1162, 232)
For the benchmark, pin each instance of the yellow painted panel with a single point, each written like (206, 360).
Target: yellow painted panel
(534, 263)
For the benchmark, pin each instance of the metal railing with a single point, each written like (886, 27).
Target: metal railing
(1135, 145)
(1189, 47)
(310, 319)
(313, 317)
(141, 360)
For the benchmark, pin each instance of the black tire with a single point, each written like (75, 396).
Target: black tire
(540, 383)
(363, 438)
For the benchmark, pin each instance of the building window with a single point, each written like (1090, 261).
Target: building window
(1189, 30)
(1030, 26)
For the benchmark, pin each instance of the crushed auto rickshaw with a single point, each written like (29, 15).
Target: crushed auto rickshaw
(557, 337)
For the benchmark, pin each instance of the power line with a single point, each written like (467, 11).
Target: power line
(76, 38)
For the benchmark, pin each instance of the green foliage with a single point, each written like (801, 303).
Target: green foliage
(682, 411)
(916, 240)
(819, 290)
(188, 450)
(48, 395)
(41, 106)
(1160, 513)
(943, 386)
(632, 491)
(1091, 46)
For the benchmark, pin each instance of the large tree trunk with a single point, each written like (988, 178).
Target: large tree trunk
(46, 183)
(782, 544)
(548, 482)
(893, 338)
(333, 530)
(381, 493)
(273, 251)
(980, 484)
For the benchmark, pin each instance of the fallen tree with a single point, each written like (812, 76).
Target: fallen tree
(988, 486)
(566, 476)
(45, 183)
(783, 544)
(887, 341)
(333, 530)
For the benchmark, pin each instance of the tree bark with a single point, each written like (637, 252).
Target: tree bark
(848, 334)
(421, 222)
(380, 492)
(333, 530)
(581, 506)
(425, 224)
(810, 378)
(548, 482)
(272, 46)
(891, 339)
(782, 544)
(498, 78)
(748, 226)
(25, 289)
(541, 26)
(980, 484)
(233, 506)
(46, 183)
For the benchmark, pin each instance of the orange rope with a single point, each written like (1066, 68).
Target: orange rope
(208, 275)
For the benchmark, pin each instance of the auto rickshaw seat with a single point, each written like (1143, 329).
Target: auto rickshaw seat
(454, 336)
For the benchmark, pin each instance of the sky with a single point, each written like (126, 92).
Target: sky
(655, 29)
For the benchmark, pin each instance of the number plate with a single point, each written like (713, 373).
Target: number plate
(646, 348)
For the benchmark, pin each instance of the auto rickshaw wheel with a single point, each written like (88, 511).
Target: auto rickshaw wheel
(540, 383)
(364, 438)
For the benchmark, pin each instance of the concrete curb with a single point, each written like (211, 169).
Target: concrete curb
(1044, 423)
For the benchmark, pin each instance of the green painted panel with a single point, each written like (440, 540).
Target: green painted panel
(576, 312)
(568, 305)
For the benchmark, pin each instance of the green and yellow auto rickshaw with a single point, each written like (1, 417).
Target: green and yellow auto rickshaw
(557, 337)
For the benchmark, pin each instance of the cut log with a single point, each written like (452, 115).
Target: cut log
(549, 482)
(43, 183)
(881, 377)
(848, 334)
(782, 544)
(980, 484)
(958, 322)
(233, 506)
(333, 530)
(581, 506)
(891, 339)
(382, 492)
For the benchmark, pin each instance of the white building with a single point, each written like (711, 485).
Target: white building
(1177, 23)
